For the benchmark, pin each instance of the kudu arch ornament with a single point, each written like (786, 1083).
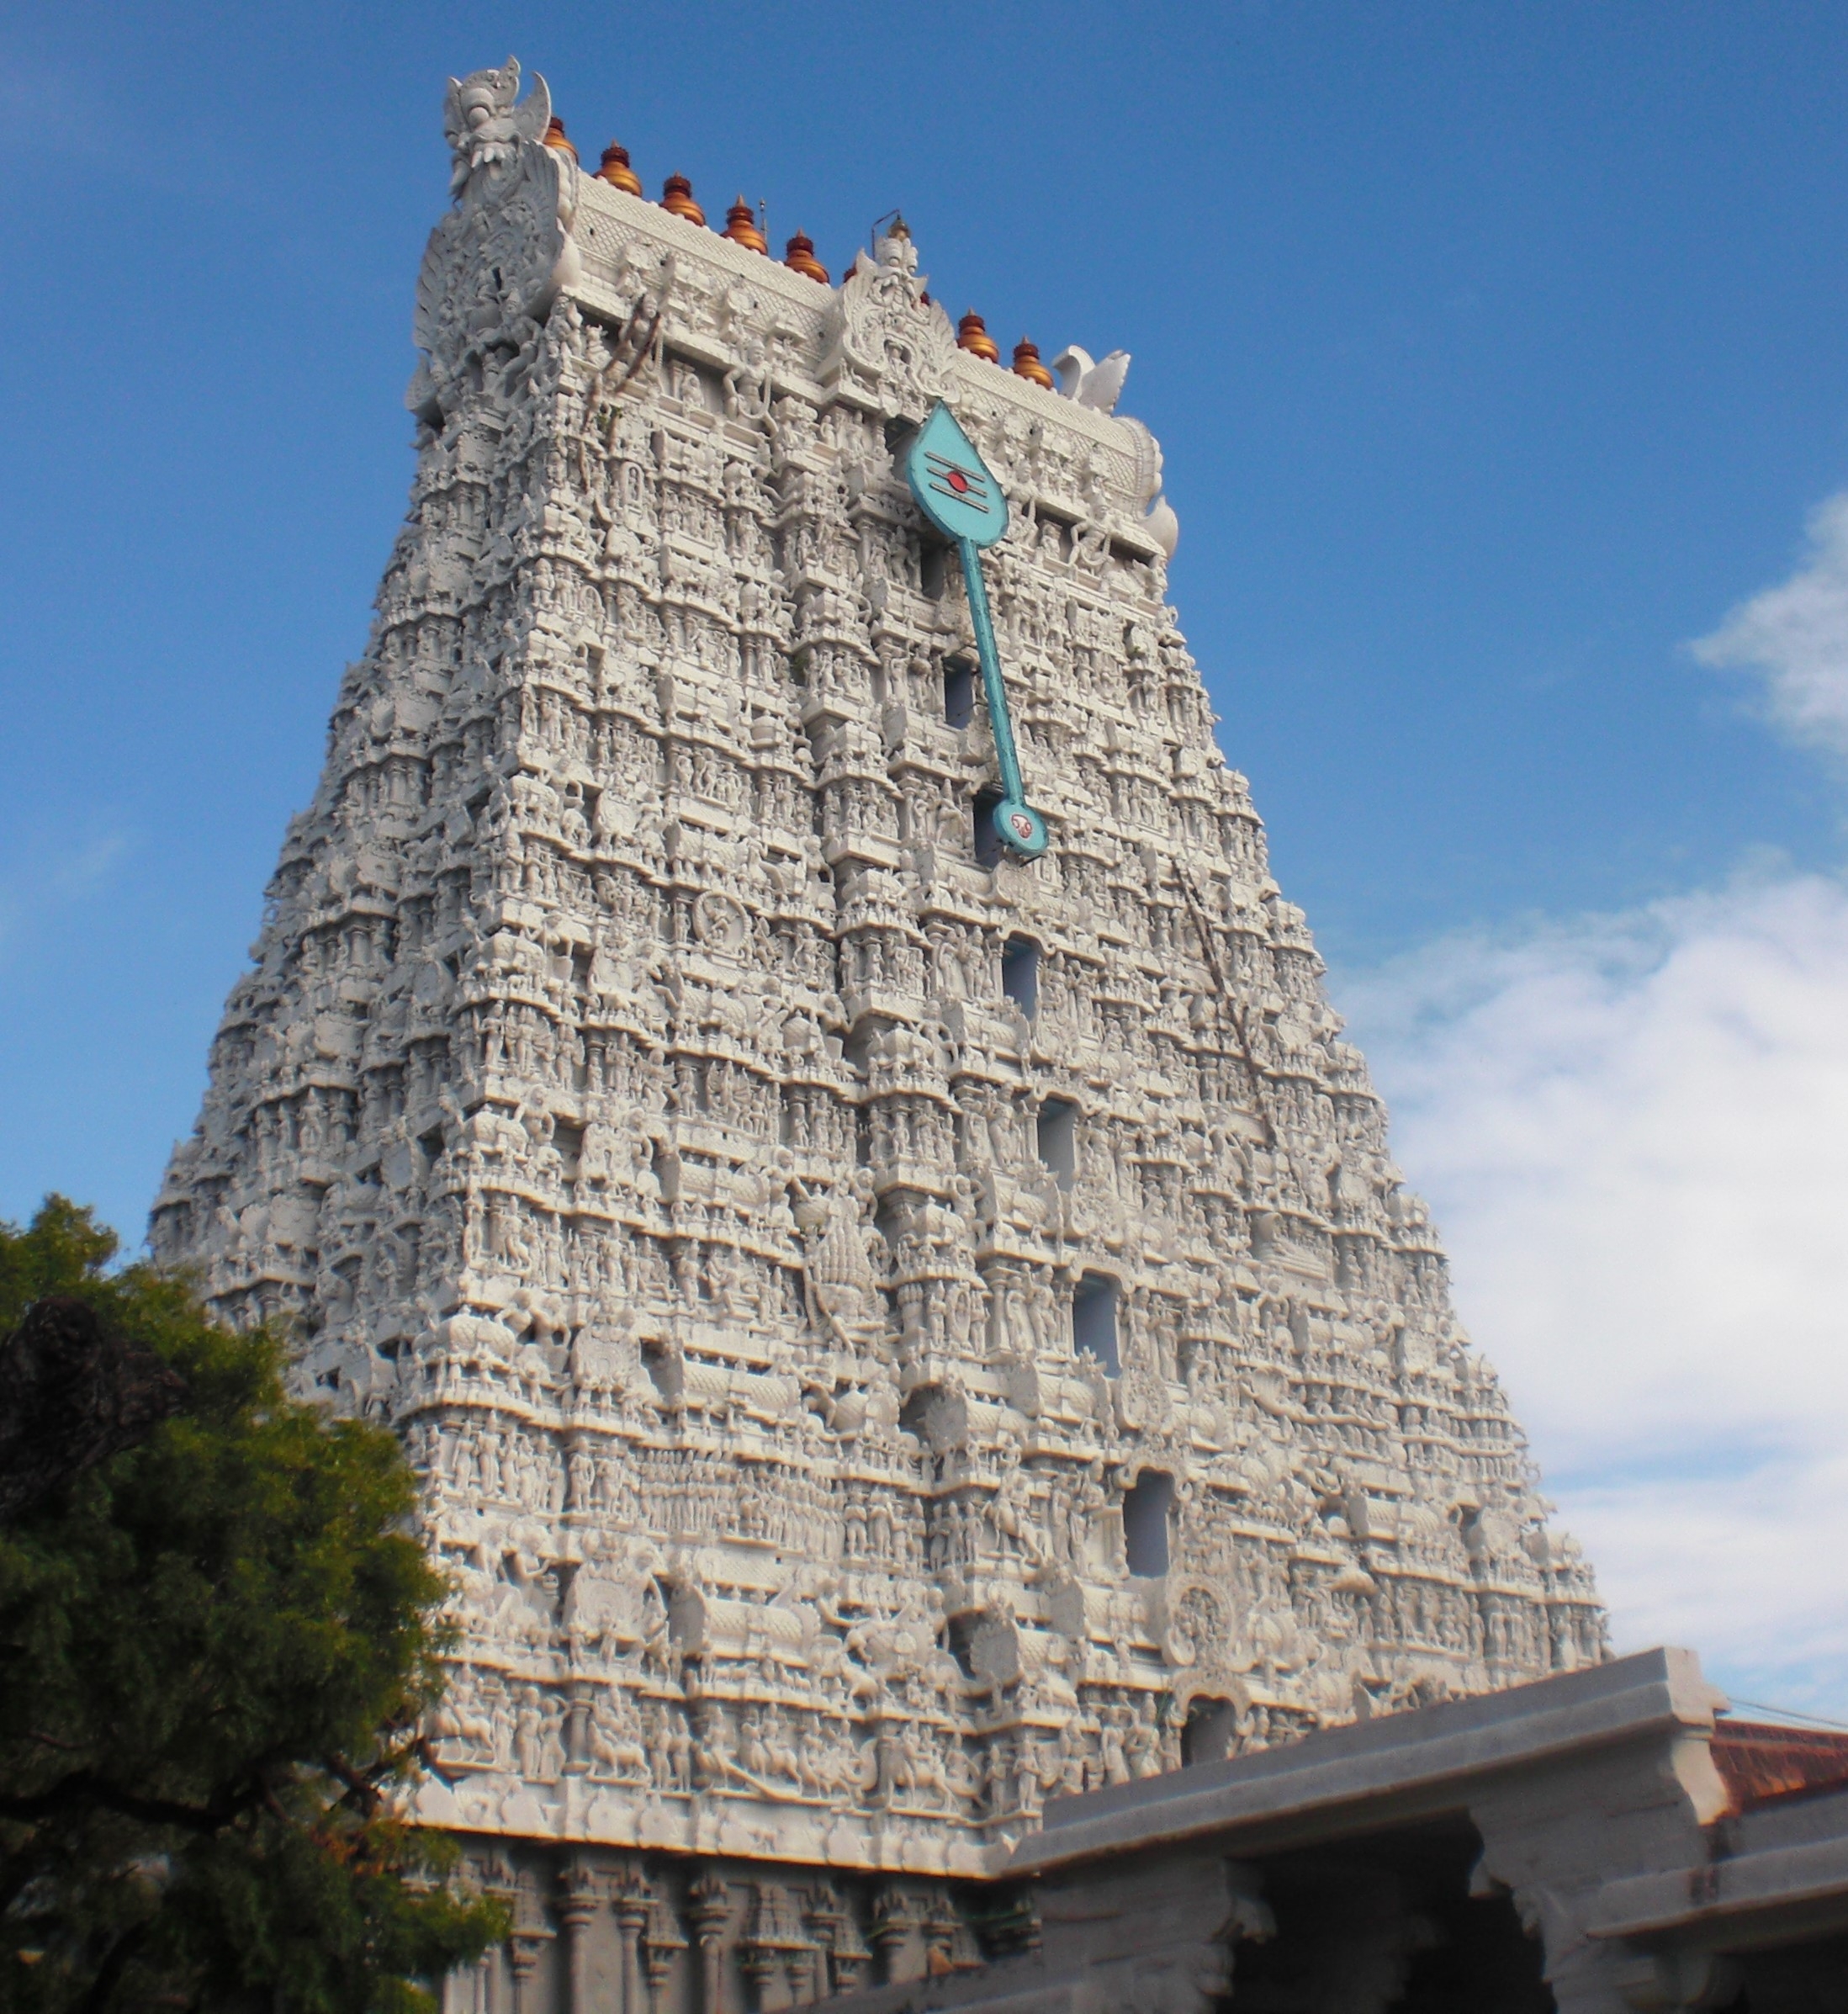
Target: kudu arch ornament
(957, 493)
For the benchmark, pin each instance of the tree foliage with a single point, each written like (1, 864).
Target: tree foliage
(73, 1391)
(216, 1647)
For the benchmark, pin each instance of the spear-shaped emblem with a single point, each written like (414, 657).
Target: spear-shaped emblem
(959, 495)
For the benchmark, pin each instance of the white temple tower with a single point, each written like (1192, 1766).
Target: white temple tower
(893, 1333)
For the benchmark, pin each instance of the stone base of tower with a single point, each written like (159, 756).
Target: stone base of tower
(599, 1931)
(1606, 1841)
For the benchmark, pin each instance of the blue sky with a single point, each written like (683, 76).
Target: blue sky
(1496, 353)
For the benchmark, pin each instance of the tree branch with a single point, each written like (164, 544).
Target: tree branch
(109, 1974)
(360, 1792)
(81, 1788)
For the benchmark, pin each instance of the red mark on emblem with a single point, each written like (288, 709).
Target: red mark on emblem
(965, 486)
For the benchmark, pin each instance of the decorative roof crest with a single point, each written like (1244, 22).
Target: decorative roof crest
(887, 335)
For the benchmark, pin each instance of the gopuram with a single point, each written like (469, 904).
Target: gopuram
(894, 1329)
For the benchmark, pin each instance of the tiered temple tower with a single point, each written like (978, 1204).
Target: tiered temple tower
(893, 1332)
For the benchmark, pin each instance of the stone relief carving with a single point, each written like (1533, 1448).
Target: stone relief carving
(636, 1098)
(886, 337)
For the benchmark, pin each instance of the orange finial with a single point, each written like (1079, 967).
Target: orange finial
(554, 137)
(677, 195)
(741, 227)
(617, 171)
(799, 256)
(1027, 364)
(972, 336)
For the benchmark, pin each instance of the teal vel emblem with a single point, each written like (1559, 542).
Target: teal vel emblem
(964, 501)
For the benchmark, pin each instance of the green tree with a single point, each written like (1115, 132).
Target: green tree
(216, 1647)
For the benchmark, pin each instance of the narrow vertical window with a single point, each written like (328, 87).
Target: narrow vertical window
(1093, 1321)
(959, 692)
(988, 841)
(1021, 974)
(1208, 1736)
(1058, 1139)
(1146, 1510)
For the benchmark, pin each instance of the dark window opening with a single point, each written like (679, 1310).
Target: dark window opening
(959, 692)
(1021, 974)
(1093, 1321)
(1145, 1523)
(1058, 1139)
(1473, 1952)
(987, 839)
(1207, 1737)
(933, 570)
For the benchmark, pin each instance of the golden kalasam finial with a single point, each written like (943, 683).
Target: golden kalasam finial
(1027, 364)
(741, 227)
(972, 336)
(677, 195)
(799, 256)
(554, 137)
(617, 171)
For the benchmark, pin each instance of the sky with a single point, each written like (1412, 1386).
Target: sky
(1495, 352)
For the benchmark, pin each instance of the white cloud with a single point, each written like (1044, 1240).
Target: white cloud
(1747, 1569)
(1634, 1130)
(1796, 636)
